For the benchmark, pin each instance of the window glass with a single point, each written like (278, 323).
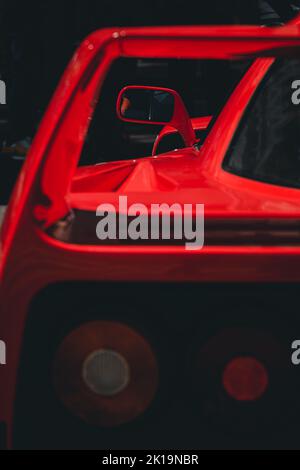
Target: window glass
(267, 144)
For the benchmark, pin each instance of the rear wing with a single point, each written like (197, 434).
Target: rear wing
(211, 42)
(45, 181)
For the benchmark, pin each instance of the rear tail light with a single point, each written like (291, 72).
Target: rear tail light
(105, 373)
(242, 380)
(245, 379)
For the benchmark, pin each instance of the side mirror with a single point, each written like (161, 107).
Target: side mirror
(159, 106)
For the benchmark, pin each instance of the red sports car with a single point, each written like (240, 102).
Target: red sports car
(122, 343)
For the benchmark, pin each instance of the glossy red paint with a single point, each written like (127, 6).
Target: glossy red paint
(111, 410)
(180, 120)
(49, 185)
(198, 124)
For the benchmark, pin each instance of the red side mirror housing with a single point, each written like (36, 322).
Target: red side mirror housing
(158, 106)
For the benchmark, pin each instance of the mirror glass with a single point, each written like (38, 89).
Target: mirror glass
(146, 105)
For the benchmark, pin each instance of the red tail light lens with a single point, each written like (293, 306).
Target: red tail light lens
(245, 379)
(106, 373)
(242, 382)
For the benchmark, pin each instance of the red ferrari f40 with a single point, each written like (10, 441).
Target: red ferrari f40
(118, 337)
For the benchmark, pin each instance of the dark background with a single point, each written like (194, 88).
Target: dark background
(38, 37)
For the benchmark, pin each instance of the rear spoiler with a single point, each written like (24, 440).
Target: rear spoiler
(210, 42)
(59, 141)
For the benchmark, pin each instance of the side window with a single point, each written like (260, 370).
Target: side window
(267, 144)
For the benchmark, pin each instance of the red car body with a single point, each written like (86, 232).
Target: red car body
(50, 184)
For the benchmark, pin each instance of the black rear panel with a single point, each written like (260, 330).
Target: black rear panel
(194, 330)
